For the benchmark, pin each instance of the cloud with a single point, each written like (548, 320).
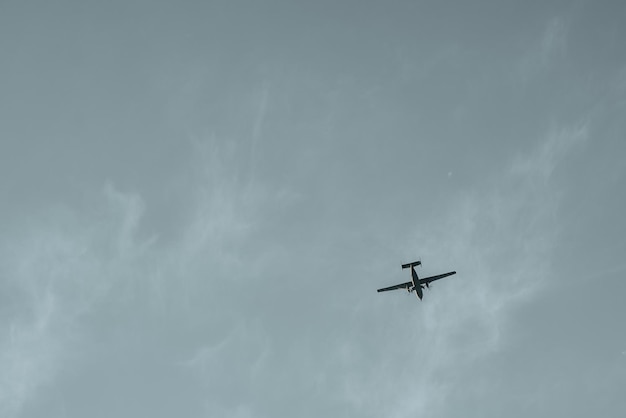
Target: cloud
(206, 300)
(27, 352)
(554, 39)
(72, 266)
(89, 283)
(57, 269)
(551, 46)
(499, 237)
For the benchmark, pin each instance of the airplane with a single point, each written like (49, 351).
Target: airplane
(416, 284)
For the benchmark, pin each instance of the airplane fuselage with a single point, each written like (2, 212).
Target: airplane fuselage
(416, 284)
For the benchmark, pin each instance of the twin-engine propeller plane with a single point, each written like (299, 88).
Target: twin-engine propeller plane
(416, 284)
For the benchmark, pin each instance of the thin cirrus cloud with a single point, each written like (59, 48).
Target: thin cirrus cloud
(499, 239)
(238, 278)
(59, 269)
(546, 50)
(365, 366)
(75, 269)
(93, 264)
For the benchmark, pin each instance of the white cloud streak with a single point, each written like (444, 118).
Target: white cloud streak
(77, 264)
(499, 238)
(70, 269)
(56, 269)
(542, 55)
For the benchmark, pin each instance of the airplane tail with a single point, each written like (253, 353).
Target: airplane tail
(413, 264)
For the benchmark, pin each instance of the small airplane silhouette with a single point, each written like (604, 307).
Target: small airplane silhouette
(416, 284)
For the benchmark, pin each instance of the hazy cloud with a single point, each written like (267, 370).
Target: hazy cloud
(200, 201)
(547, 50)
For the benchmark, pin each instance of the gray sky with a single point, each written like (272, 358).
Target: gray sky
(199, 200)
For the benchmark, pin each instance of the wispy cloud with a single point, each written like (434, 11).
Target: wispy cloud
(28, 351)
(549, 47)
(499, 237)
(56, 269)
(554, 40)
(76, 267)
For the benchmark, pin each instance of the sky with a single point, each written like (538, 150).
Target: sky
(200, 199)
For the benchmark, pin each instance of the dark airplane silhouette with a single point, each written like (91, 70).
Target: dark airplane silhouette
(416, 284)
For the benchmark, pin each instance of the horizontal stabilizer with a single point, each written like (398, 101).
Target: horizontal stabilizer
(413, 264)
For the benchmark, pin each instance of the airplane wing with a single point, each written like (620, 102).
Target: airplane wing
(398, 286)
(433, 278)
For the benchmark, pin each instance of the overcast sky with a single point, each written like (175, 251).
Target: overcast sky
(198, 201)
